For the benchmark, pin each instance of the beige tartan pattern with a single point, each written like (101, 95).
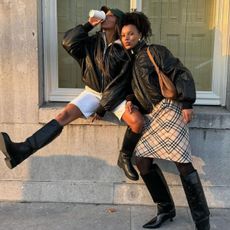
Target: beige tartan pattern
(165, 135)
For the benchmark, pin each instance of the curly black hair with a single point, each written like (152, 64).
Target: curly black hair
(140, 20)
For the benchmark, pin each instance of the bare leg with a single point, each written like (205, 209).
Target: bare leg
(17, 152)
(68, 114)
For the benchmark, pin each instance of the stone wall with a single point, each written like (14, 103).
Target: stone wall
(80, 165)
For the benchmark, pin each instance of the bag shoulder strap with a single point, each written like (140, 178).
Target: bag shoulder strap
(153, 61)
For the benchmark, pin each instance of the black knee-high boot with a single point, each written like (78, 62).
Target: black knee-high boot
(124, 161)
(17, 152)
(196, 200)
(159, 191)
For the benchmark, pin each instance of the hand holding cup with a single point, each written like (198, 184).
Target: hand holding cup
(96, 17)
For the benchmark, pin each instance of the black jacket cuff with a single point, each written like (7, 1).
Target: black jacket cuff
(130, 97)
(186, 105)
(101, 111)
(87, 27)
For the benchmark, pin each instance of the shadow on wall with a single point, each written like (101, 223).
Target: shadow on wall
(71, 179)
(87, 179)
(73, 168)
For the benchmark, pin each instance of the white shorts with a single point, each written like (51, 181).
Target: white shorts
(89, 100)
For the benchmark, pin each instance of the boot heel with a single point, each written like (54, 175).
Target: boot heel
(126, 165)
(10, 163)
(172, 214)
(3, 145)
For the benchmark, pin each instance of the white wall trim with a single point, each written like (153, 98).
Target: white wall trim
(52, 91)
(207, 98)
(136, 5)
(221, 47)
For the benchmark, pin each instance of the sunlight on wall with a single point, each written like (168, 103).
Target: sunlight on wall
(222, 25)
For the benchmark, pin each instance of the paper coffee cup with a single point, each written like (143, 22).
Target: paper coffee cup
(97, 14)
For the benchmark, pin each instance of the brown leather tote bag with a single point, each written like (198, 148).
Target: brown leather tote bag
(168, 89)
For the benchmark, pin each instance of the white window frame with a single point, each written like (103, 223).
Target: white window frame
(217, 96)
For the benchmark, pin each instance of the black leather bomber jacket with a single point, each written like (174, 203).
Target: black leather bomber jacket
(105, 69)
(145, 82)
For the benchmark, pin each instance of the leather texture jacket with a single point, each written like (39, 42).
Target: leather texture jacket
(145, 82)
(105, 68)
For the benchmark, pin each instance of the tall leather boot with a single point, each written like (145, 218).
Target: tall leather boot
(159, 191)
(196, 200)
(124, 160)
(17, 152)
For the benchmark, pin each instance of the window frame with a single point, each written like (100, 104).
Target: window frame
(217, 96)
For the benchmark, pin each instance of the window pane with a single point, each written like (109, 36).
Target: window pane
(69, 14)
(185, 27)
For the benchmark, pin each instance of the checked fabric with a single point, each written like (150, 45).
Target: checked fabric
(165, 135)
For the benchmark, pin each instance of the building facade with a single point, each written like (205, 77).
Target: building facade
(38, 78)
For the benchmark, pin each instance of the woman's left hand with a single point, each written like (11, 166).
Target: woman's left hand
(129, 106)
(187, 115)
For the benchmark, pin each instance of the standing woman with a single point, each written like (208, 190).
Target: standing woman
(166, 134)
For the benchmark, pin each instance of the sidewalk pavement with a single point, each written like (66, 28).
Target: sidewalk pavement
(74, 216)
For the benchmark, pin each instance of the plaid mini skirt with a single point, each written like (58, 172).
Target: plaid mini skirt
(165, 135)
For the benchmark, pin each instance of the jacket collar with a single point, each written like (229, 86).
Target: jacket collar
(118, 41)
(138, 47)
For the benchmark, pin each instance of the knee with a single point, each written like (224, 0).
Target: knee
(144, 165)
(66, 115)
(62, 116)
(185, 168)
(137, 122)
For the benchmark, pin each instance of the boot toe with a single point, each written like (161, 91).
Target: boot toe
(129, 170)
(158, 220)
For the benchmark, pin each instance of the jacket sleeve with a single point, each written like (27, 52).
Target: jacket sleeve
(117, 90)
(180, 75)
(76, 39)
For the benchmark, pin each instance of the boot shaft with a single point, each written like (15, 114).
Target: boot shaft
(196, 198)
(129, 142)
(158, 188)
(44, 135)
(17, 152)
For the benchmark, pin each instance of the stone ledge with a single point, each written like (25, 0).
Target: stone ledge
(207, 117)
(211, 117)
(49, 111)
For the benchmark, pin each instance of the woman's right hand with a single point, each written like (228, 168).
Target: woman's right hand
(187, 115)
(94, 21)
